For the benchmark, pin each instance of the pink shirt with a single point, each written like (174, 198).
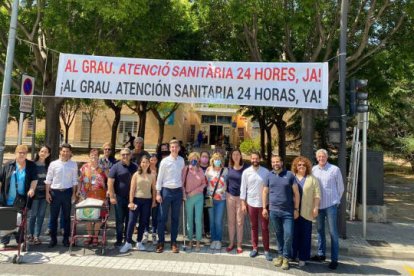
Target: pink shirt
(196, 181)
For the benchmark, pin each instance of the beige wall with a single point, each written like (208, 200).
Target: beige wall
(185, 116)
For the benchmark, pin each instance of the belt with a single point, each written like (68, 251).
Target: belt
(61, 190)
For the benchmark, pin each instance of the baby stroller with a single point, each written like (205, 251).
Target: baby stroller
(91, 211)
(12, 221)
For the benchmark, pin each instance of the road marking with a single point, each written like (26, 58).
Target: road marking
(409, 269)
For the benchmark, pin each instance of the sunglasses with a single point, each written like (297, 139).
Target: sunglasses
(107, 149)
(124, 154)
(301, 165)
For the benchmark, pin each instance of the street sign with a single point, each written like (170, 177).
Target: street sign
(26, 94)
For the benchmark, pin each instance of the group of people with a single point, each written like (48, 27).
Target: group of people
(141, 186)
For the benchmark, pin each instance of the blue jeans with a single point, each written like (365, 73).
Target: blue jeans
(143, 210)
(61, 222)
(60, 200)
(170, 198)
(37, 215)
(121, 217)
(282, 222)
(215, 214)
(331, 213)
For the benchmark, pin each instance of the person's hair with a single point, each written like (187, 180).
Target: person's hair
(66, 146)
(204, 151)
(174, 141)
(94, 150)
(140, 171)
(256, 153)
(21, 148)
(277, 156)
(215, 156)
(107, 144)
(129, 133)
(127, 150)
(194, 154)
(324, 151)
(231, 161)
(139, 140)
(48, 159)
(308, 164)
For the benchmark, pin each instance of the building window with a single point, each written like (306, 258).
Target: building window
(224, 119)
(126, 125)
(85, 131)
(208, 119)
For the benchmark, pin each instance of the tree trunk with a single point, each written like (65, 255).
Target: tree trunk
(66, 133)
(281, 132)
(115, 123)
(307, 126)
(90, 135)
(114, 129)
(269, 146)
(262, 137)
(53, 106)
(142, 114)
(161, 127)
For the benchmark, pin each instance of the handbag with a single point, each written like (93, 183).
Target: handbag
(208, 200)
(20, 200)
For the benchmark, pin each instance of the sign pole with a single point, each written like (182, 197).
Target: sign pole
(19, 138)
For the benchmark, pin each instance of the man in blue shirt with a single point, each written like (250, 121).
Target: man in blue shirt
(332, 188)
(283, 194)
(17, 177)
(119, 183)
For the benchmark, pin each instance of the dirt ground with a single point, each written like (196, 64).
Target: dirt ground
(399, 191)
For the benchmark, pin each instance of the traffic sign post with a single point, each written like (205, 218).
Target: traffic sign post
(26, 102)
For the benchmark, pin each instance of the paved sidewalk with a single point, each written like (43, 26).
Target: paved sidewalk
(383, 240)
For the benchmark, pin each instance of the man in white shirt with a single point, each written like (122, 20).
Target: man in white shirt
(61, 187)
(169, 193)
(251, 189)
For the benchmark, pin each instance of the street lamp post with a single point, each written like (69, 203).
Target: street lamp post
(5, 96)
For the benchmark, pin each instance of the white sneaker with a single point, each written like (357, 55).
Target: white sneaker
(140, 246)
(302, 263)
(125, 248)
(218, 245)
(145, 238)
(213, 245)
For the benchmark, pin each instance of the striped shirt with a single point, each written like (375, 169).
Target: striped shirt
(331, 184)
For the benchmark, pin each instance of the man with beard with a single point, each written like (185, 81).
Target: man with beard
(283, 194)
(253, 179)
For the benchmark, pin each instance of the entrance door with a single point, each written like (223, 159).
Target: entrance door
(216, 134)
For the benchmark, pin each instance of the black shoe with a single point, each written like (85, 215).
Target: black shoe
(318, 258)
(52, 243)
(118, 243)
(65, 243)
(333, 265)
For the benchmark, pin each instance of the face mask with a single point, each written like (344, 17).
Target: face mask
(193, 163)
(165, 152)
(204, 160)
(217, 163)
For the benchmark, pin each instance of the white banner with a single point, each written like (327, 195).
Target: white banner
(297, 85)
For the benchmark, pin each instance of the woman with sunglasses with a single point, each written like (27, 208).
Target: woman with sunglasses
(309, 205)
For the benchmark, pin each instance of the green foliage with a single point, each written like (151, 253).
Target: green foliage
(40, 139)
(249, 145)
